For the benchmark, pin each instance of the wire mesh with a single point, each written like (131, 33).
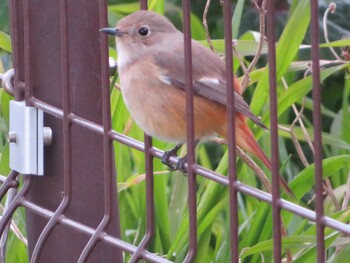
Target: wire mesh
(50, 219)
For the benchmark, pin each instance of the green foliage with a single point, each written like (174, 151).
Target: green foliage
(255, 217)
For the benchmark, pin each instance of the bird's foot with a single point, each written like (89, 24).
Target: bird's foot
(166, 156)
(181, 164)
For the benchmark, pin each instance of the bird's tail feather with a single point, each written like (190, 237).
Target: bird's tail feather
(246, 140)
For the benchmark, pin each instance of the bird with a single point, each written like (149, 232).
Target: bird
(152, 81)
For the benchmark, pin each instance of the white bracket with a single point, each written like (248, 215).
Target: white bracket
(27, 138)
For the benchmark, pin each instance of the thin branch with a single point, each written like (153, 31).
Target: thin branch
(298, 119)
(263, 179)
(327, 186)
(291, 130)
(239, 57)
(117, 86)
(262, 12)
(256, 169)
(344, 206)
(346, 195)
(331, 9)
(128, 126)
(329, 189)
(249, 161)
(205, 24)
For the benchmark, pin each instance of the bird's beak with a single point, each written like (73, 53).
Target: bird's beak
(112, 31)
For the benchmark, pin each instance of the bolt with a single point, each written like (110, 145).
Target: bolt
(47, 134)
(11, 137)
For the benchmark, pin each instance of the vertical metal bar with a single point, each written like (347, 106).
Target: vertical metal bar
(192, 201)
(317, 122)
(149, 188)
(66, 101)
(108, 152)
(16, 15)
(231, 134)
(276, 209)
(67, 136)
(143, 4)
(44, 69)
(27, 55)
(150, 220)
(150, 201)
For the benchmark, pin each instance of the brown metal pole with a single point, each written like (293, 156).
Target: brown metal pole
(62, 67)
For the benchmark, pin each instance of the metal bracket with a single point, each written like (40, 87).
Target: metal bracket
(27, 138)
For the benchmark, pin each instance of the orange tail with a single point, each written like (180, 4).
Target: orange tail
(245, 140)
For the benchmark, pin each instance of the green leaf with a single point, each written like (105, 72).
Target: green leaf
(343, 255)
(243, 47)
(156, 6)
(327, 138)
(299, 89)
(287, 243)
(305, 180)
(287, 48)
(197, 29)
(237, 17)
(338, 43)
(296, 92)
(5, 42)
(125, 9)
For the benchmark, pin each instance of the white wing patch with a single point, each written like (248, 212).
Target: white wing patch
(165, 79)
(209, 81)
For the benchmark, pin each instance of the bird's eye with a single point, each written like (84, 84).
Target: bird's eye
(143, 31)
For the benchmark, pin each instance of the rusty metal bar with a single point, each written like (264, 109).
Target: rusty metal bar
(10, 182)
(42, 75)
(67, 169)
(150, 219)
(71, 120)
(191, 159)
(82, 228)
(16, 16)
(317, 122)
(211, 175)
(276, 209)
(6, 217)
(143, 4)
(150, 202)
(231, 134)
(108, 152)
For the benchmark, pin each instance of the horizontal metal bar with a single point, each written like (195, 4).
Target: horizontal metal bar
(46, 213)
(245, 189)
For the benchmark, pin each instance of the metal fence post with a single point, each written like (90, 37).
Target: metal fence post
(57, 55)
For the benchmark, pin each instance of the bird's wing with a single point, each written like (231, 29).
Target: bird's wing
(211, 87)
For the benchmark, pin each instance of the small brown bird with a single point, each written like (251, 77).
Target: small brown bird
(152, 80)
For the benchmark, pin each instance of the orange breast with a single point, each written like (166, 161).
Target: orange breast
(159, 109)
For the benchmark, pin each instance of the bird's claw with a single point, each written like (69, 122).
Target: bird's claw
(166, 156)
(165, 159)
(180, 165)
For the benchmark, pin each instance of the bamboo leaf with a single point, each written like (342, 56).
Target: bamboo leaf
(287, 47)
(305, 180)
(237, 17)
(5, 42)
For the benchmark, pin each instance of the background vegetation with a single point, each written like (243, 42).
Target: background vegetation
(295, 148)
